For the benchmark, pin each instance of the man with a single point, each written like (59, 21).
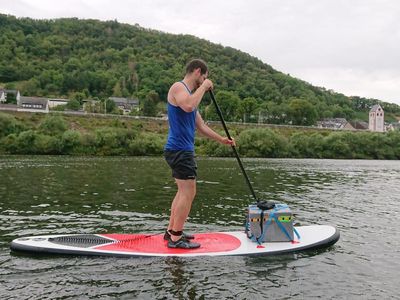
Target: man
(183, 99)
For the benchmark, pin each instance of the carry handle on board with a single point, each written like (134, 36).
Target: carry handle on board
(264, 204)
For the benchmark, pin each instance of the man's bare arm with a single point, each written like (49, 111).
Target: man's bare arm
(188, 102)
(208, 132)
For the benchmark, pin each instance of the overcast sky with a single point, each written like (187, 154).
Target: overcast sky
(350, 46)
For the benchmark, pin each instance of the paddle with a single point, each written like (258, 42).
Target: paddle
(261, 204)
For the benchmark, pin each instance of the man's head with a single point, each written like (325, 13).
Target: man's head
(197, 64)
(197, 69)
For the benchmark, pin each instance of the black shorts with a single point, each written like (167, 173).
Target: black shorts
(182, 164)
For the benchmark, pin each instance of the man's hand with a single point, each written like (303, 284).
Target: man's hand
(227, 141)
(207, 85)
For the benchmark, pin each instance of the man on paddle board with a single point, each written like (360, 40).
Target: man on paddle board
(184, 119)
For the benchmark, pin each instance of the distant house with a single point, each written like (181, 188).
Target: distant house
(33, 104)
(125, 104)
(335, 123)
(376, 119)
(56, 102)
(4, 93)
(393, 126)
(89, 105)
(360, 125)
(389, 127)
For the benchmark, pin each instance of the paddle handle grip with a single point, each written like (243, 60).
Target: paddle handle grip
(233, 147)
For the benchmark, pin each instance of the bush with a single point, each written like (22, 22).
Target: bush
(70, 140)
(30, 142)
(9, 125)
(305, 145)
(336, 146)
(53, 125)
(88, 144)
(147, 144)
(212, 148)
(24, 143)
(262, 143)
(73, 104)
(380, 146)
(7, 144)
(113, 141)
(45, 144)
(394, 142)
(61, 107)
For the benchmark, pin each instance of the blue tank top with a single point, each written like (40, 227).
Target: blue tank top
(182, 128)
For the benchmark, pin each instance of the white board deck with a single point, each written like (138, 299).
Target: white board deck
(153, 245)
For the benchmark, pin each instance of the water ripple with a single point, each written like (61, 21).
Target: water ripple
(47, 195)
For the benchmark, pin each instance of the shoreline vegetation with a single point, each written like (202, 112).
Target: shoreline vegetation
(55, 134)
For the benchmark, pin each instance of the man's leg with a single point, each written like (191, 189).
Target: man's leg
(173, 205)
(181, 205)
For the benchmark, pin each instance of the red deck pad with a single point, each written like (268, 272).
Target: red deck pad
(210, 242)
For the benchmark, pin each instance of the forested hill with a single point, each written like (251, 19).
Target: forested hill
(98, 59)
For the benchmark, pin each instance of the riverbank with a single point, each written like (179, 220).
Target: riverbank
(99, 135)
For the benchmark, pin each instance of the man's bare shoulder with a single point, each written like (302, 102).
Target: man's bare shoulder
(175, 90)
(177, 87)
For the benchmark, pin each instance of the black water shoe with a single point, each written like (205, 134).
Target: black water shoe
(182, 243)
(187, 236)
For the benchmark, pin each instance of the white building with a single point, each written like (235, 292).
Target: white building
(56, 102)
(376, 119)
(33, 104)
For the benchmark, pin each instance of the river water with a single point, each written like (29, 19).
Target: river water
(56, 194)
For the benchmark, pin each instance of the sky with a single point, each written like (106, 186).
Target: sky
(349, 46)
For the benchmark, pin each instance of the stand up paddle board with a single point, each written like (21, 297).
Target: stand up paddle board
(153, 245)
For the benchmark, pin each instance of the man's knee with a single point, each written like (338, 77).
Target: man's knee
(189, 193)
(187, 187)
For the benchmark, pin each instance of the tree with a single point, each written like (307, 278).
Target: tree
(228, 102)
(302, 112)
(247, 107)
(65, 56)
(78, 96)
(117, 91)
(150, 104)
(11, 98)
(161, 108)
(110, 106)
(273, 113)
(73, 105)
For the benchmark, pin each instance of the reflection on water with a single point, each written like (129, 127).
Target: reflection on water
(48, 195)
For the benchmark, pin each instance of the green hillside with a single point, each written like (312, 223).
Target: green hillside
(94, 59)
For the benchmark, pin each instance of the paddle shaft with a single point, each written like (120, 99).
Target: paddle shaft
(233, 147)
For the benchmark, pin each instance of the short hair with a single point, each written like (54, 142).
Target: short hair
(195, 64)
